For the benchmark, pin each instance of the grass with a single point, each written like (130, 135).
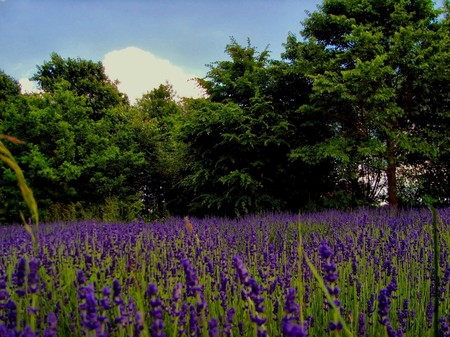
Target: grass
(7, 158)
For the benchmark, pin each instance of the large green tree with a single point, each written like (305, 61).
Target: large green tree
(160, 109)
(9, 87)
(380, 78)
(85, 78)
(239, 139)
(71, 158)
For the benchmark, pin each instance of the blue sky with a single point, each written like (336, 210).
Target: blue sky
(182, 34)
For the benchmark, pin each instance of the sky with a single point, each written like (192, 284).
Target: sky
(142, 43)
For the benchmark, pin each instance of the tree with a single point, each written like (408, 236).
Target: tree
(234, 137)
(85, 78)
(306, 184)
(240, 79)
(9, 87)
(224, 174)
(69, 158)
(239, 139)
(379, 70)
(164, 165)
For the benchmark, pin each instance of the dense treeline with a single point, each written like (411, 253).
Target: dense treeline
(356, 112)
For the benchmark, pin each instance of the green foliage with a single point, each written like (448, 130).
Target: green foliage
(73, 157)
(240, 138)
(82, 77)
(356, 112)
(377, 60)
(9, 87)
(27, 194)
(162, 193)
(239, 79)
(213, 132)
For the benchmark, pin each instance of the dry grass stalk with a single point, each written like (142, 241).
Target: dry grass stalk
(188, 224)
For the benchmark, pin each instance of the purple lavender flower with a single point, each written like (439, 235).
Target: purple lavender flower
(20, 277)
(28, 332)
(223, 289)
(289, 323)
(182, 318)
(80, 277)
(117, 290)
(176, 298)
(209, 265)
(290, 307)
(390, 331)
(429, 314)
(52, 325)
(11, 310)
(5, 332)
(3, 283)
(358, 290)
(201, 304)
(194, 329)
(307, 295)
(330, 279)
(362, 332)
(88, 310)
(325, 251)
(157, 328)
(176, 293)
(335, 326)
(213, 328)
(4, 295)
(139, 325)
(294, 330)
(400, 333)
(241, 270)
(131, 310)
(354, 266)
(191, 277)
(33, 275)
(273, 285)
(258, 320)
(105, 302)
(229, 321)
(444, 329)
(384, 305)
(256, 295)
(392, 286)
(402, 315)
(241, 328)
(152, 290)
(370, 305)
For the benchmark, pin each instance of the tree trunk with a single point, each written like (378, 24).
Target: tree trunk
(391, 174)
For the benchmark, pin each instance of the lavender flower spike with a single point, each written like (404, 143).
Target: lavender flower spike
(241, 270)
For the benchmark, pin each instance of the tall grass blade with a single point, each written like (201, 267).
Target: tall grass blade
(330, 300)
(27, 193)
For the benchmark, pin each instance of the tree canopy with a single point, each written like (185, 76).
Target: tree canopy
(355, 112)
(84, 78)
(382, 65)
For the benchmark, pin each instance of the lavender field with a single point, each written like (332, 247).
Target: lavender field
(222, 277)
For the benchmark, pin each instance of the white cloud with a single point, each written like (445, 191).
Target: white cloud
(28, 86)
(140, 71)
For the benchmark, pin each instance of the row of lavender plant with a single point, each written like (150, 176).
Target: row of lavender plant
(220, 277)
